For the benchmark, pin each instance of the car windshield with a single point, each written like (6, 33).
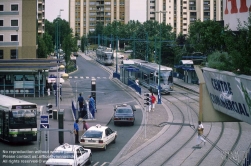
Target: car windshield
(93, 134)
(62, 155)
(124, 111)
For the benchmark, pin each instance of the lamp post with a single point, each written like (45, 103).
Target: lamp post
(159, 88)
(116, 48)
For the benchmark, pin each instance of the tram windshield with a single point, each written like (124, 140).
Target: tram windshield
(165, 76)
(23, 116)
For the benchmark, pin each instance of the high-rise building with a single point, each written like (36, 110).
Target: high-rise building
(180, 13)
(18, 25)
(40, 17)
(84, 15)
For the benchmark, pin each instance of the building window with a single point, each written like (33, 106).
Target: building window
(14, 23)
(14, 38)
(152, 7)
(14, 7)
(13, 54)
(1, 38)
(1, 54)
(1, 23)
(1, 8)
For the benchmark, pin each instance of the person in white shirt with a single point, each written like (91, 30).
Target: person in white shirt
(200, 133)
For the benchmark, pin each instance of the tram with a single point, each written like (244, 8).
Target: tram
(104, 55)
(147, 75)
(18, 120)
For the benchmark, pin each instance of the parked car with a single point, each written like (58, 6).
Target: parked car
(124, 114)
(98, 137)
(120, 56)
(128, 51)
(75, 54)
(67, 154)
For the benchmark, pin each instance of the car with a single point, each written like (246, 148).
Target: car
(128, 51)
(75, 54)
(120, 56)
(98, 137)
(67, 154)
(124, 114)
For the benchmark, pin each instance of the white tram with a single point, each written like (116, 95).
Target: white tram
(18, 120)
(104, 55)
(147, 75)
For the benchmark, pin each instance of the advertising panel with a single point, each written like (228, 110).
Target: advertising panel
(234, 10)
(229, 93)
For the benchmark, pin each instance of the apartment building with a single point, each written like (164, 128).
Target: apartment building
(180, 13)
(85, 14)
(40, 17)
(18, 30)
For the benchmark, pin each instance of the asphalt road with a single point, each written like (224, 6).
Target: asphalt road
(108, 93)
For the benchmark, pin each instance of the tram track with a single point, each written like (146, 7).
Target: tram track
(207, 153)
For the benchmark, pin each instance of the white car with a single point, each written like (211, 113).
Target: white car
(98, 137)
(128, 51)
(120, 56)
(73, 155)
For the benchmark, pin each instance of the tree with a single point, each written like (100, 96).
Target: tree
(42, 49)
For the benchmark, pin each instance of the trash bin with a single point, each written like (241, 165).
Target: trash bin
(55, 114)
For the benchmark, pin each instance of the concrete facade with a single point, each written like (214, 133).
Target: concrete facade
(19, 29)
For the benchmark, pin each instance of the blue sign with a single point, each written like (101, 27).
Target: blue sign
(44, 119)
(44, 126)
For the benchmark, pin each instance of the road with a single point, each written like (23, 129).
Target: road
(108, 93)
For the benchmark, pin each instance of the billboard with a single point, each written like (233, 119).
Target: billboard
(234, 10)
(229, 93)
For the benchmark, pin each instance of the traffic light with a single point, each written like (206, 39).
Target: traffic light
(147, 98)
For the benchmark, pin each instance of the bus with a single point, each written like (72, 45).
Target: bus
(18, 120)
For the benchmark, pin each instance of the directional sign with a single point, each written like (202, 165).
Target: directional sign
(44, 119)
(44, 126)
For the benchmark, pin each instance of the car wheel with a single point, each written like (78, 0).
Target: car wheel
(89, 160)
(115, 123)
(114, 141)
(104, 148)
(132, 123)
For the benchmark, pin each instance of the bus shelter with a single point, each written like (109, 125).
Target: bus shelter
(25, 77)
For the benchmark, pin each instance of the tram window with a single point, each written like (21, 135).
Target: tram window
(151, 77)
(145, 77)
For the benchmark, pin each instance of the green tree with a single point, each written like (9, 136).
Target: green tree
(42, 49)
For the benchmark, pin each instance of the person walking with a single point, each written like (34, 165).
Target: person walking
(81, 104)
(76, 130)
(153, 101)
(92, 106)
(200, 133)
(85, 126)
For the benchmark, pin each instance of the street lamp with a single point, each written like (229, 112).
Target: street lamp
(159, 88)
(57, 40)
(116, 48)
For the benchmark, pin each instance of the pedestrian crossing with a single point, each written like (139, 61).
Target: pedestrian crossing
(86, 77)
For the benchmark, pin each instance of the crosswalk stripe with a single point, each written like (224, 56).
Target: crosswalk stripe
(75, 77)
(81, 77)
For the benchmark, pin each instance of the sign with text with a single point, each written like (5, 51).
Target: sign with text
(44, 119)
(229, 93)
(234, 10)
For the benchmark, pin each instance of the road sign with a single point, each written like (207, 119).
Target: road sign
(44, 119)
(44, 126)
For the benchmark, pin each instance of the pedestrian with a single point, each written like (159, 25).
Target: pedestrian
(76, 130)
(92, 106)
(153, 101)
(200, 133)
(81, 104)
(85, 126)
(137, 81)
(55, 88)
